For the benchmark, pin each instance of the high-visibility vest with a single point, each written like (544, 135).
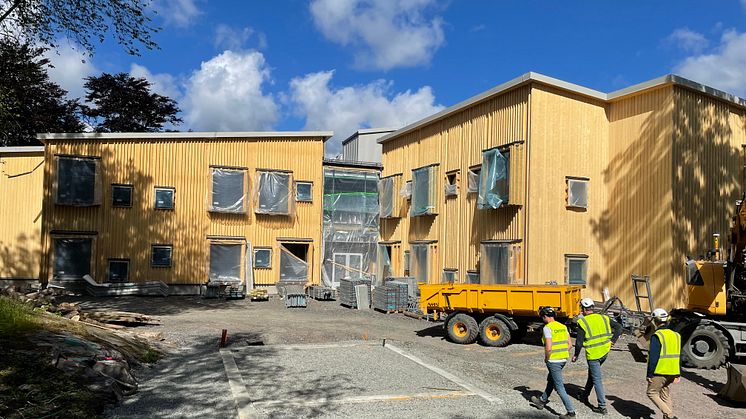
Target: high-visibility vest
(668, 362)
(597, 328)
(560, 336)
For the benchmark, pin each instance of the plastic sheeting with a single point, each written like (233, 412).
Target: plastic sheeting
(423, 198)
(406, 190)
(493, 179)
(225, 262)
(451, 190)
(72, 258)
(350, 225)
(78, 181)
(499, 263)
(449, 276)
(292, 268)
(472, 181)
(386, 197)
(228, 191)
(420, 263)
(383, 265)
(577, 193)
(273, 193)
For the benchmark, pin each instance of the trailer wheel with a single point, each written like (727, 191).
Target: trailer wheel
(462, 328)
(706, 347)
(494, 332)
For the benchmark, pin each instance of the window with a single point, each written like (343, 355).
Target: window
(407, 263)
(304, 191)
(72, 257)
(451, 188)
(420, 262)
(161, 256)
(473, 179)
(121, 195)
(472, 277)
(406, 190)
(77, 183)
(423, 191)
(450, 275)
(273, 193)
(263, 257)
(386, 197)
(228, 190)
(576, 269)
(493, 179)
(164, 198)
(577, 193)
(499, 262)
(118, 270)
(225, 262)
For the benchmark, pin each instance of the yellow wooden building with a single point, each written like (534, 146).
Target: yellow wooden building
(21, 177)
(539, 180)
(183, 208)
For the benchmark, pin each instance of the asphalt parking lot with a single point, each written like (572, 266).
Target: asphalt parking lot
(329, 361)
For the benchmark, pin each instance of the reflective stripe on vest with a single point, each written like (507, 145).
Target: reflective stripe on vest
(597, 328)
(560, 348)
(669, 360)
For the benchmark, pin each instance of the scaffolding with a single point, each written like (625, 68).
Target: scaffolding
(350, 234)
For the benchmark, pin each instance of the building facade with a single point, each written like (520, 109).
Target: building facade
(362, 146)
(21, 178)
(183, 208)
(541, 181)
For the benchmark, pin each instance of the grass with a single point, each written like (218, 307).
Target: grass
(150, 356)
(16, 318)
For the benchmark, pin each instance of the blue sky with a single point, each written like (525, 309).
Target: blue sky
(347, 64)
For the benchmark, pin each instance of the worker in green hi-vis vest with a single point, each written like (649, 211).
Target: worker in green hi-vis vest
(664, 358)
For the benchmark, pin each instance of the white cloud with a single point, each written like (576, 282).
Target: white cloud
(225, 94)
(688, 40)
(229, 38)
(347, 109)
(386, 33)
(163, 83)
(723, 68)
(180, 13)
(70, 66)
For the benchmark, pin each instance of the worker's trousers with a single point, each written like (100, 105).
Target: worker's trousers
(556, 382)
(595, 380)
(660, 393)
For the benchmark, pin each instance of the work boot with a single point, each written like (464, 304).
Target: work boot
(537, 402)
(600, 410)
(567, 415)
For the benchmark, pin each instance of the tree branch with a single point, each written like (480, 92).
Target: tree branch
(9, 11)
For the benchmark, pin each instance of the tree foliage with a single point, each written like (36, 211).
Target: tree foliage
(82, 21)
(29, 102)
(122, 103)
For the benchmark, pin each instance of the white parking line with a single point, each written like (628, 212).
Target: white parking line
(300, 347)
(366, 399)
(447, 375)
(246, 409)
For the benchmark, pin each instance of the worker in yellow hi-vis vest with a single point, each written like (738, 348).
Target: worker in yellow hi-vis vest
(597, 333)
(663, 363)
(557, 346)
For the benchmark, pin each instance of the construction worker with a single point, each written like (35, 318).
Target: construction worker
(557, 346)
(597, 333)
(663, 363)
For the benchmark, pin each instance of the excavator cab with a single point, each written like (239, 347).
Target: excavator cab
(705, 284)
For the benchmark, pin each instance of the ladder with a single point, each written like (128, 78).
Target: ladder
(636, 282)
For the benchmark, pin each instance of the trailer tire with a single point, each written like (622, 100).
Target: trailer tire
(494, 332)
(707, 347)
(462, 328)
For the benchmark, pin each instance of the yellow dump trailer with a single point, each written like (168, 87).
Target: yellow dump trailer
(495, 313)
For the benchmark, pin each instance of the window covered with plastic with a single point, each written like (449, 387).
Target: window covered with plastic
(383, 264)
(72, 257)
(577, 193)
(451, 186)
(78, 181)
(225, 262)
(576, 269)
(420, 262)
(274, 193)
(493, 179)
(228, 191)
(499, 263)
(450, 276)
(292, 268)
(386, 197)
(473, 180)
(423, 191)
(406, 190)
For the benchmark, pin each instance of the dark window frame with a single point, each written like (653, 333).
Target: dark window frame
(72, 201)
(122, 185)
(156, 189)
(575, 258)
(303, 182)
(108, 269)
(256, 249)
(170, 257)
(212, 208)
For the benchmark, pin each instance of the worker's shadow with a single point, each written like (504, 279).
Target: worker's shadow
(527, 393)
(630, 409)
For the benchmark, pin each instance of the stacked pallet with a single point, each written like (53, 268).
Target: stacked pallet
(295, 296)
(401, 290)
(385, 298)
(319, 292)
(347, 293)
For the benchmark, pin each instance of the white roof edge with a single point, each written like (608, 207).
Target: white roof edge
(22, 149)
(178, 135)
(531, 76)
(366, 131)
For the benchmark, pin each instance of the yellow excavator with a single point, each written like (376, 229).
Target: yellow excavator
(713, 325)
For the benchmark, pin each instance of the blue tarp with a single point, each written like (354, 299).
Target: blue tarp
(493, 179)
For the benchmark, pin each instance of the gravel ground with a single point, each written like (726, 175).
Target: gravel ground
(191, 382)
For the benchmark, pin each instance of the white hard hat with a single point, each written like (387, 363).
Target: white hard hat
(587, 302)
(660, 314)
